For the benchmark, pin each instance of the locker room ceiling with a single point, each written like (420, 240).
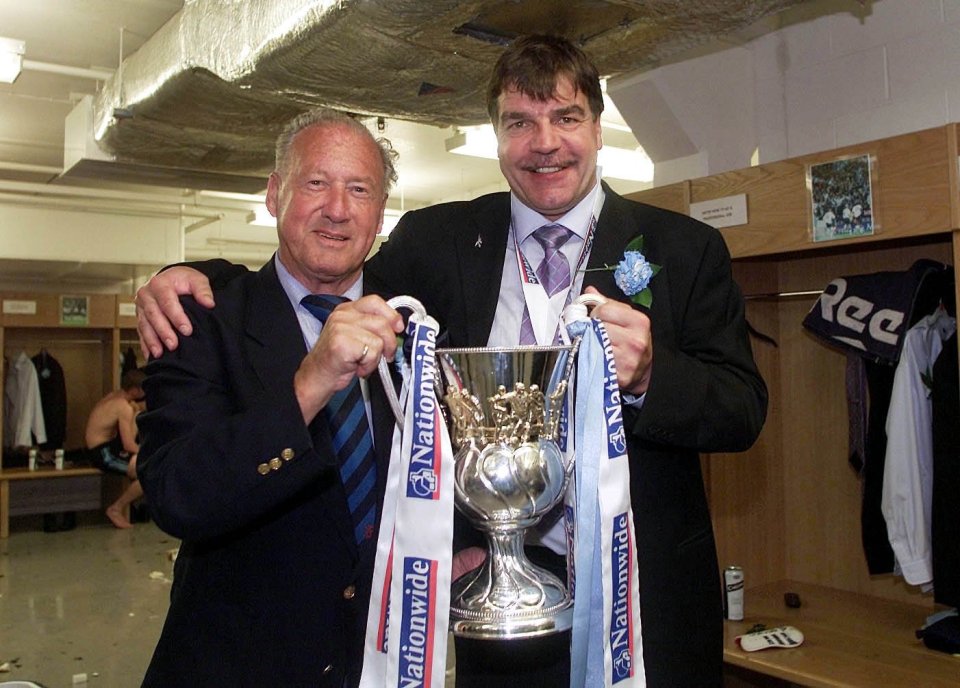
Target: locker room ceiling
(186, 95)
(205, 84)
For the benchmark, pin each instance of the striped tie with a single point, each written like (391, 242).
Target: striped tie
(347, 418)
(553, 273)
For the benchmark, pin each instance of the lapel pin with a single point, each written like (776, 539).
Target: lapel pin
(479, 242)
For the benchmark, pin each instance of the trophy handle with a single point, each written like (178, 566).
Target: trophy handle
(579, 309)
(591, 299)
(418, 313)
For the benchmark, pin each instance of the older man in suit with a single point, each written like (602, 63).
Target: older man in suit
(684, 362)
(241, 453)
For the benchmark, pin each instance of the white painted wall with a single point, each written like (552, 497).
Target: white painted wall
(58, 236)
(835, 74)
(67, 235)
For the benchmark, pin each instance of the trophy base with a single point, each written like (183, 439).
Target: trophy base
(475, 616)
(508, 629)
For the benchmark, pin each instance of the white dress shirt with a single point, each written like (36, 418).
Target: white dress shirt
(908, 464)
(310, 326)
(523, 223)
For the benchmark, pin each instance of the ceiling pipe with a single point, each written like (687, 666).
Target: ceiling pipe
(21, 167)
(226, 241)
(81, 205)
(203, 223)
(53, 190)
(200, 201)
(67, 70)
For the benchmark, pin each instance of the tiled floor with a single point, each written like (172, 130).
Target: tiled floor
(86, 601)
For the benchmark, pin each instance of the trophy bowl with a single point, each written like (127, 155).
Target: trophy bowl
(503, 407)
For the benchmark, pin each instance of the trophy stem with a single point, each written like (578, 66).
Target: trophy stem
(508, 597)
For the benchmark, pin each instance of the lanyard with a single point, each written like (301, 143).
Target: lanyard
(545, 311)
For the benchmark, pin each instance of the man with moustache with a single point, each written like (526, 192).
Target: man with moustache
(684, 364)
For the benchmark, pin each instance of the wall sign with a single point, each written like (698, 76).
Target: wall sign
(14, 307)
(728, 211)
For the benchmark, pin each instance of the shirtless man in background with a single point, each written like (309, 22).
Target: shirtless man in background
(111, 432)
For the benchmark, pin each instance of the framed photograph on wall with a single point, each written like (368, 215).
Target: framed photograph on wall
(842, 198)
(74, 310)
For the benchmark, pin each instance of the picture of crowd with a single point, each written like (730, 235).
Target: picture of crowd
(842, 199)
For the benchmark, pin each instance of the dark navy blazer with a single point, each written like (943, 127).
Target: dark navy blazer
(269, 588)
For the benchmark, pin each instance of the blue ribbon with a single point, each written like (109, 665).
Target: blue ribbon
(587, 637)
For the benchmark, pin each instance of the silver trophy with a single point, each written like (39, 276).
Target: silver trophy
(503, 407)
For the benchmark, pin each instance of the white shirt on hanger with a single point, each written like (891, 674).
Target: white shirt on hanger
(23, 412)
(908, 464)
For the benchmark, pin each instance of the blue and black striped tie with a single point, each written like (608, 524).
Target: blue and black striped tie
(347, 419)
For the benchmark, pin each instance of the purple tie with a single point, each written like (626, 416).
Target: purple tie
(553, 272)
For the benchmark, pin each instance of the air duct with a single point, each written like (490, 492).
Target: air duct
(210, 90)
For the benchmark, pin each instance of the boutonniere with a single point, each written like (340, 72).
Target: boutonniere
(633, 273)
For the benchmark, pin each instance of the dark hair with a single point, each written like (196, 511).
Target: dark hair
(532, 65)
(132, 378)
(324, 117)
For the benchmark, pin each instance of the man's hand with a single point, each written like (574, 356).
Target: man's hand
(352, 341)
(632, 342)
(466, 560)
(159, 310)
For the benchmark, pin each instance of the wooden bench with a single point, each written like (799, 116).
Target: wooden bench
(44, 491)
(850, 640)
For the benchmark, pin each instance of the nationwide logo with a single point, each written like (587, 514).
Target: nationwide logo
(621, 618)
(424, 472)
(423, 483)
(416, 624)
(612, 410)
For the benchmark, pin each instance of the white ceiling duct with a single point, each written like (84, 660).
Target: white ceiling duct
(210, 90)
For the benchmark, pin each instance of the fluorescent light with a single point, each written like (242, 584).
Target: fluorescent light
(390, 219)
(479, 142)
(611, 117)
(619, 163)
(11, 59)
(261, 216)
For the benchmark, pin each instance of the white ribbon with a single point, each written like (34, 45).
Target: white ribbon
(406, 637)
(606, 644)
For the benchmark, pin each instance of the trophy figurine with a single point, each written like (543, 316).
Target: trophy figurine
(503, 407)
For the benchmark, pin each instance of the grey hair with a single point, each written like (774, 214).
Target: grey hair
(326, 116)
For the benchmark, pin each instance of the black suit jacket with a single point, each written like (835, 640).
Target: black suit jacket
(269, 588)
(705, 395)
(705, 392)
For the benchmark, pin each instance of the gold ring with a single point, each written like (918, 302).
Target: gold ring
(363, 354)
